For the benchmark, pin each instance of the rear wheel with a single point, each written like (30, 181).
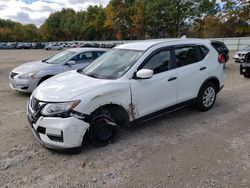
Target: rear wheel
(102, 129)
(206, 96)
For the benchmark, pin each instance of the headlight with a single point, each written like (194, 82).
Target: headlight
(59, 109)
(28, 75)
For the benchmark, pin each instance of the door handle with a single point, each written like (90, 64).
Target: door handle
(172, 78)
(203, 68)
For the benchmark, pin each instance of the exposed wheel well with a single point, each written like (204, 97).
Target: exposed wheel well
(118, 112)
(44, 78)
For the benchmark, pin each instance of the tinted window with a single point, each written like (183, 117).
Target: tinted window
(203, 51)
(159, 62)
(98, 54)
(219, 46)
(83, 56)
(186, 55)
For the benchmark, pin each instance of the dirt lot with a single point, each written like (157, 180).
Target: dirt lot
(184, 149)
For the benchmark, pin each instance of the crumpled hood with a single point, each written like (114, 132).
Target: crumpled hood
(32, 66)
(67, 86)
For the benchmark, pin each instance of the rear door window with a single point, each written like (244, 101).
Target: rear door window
(203, 51)
(186, 55)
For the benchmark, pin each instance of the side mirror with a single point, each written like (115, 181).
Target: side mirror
(69, 63)
(144, 74)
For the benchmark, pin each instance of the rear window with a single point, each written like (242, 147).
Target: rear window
(219, 46)
(203, 51)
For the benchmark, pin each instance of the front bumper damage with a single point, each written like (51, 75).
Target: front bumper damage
(57, 132)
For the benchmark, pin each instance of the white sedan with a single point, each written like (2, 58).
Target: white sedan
(54, 47)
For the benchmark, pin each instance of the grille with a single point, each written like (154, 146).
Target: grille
(36, 107)
(13, 74)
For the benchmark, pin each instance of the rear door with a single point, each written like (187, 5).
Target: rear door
(191, 71)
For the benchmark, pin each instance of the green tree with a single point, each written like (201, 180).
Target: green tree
(51, 28)
(67, 24)
(93, 23)
(138, 21)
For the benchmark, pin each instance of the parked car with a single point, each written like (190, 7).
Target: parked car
(239, 56)
(222, 49)
(6, 46)
(89, 45)
(128, 84)
(24, 46)
(38, 45)
(54, 47)
(28, 76)
(245, 66)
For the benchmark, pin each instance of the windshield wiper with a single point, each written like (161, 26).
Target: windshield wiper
(44, 61)
(91, 75)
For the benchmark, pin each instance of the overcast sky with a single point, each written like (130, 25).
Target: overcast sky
(36, 11)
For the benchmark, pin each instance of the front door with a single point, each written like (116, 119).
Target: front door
(158, 92)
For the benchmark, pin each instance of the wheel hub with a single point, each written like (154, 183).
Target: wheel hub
(209, 97)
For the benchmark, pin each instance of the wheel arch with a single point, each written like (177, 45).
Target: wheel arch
(214, 80)
(44, 78)
(119, 113)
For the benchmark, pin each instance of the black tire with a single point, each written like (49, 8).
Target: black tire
(206, 97)
(246, 75)
(101, 133)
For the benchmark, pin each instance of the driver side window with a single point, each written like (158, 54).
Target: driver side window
(159, 62)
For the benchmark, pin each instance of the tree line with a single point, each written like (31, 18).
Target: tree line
(138, 19)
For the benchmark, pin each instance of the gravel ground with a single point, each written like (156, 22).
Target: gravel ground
(184, 149)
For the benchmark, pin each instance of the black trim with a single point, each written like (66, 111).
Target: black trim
(164, 111)
(56, 138)
(212, 78)
(203, 68)
(171, 79)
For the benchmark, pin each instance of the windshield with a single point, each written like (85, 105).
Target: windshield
(58, 58)
(113, 64)
(247, 48)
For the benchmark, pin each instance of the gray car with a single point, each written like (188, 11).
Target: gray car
(27, 77)
(239, 56)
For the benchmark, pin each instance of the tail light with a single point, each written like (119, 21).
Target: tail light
(221, 58)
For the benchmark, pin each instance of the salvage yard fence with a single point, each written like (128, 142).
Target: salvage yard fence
(235, 43)
(232, 43)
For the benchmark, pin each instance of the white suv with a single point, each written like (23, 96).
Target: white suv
(130, 83)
